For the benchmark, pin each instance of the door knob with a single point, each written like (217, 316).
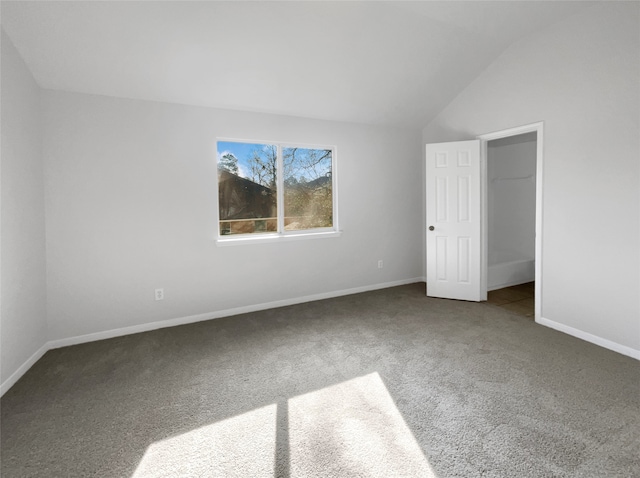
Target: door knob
(431, 228)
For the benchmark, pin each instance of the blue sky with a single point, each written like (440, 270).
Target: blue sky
(242, 151)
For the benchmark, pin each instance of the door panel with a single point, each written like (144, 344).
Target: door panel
(453, 209)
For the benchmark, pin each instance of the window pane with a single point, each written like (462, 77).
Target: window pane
(308, 195)
(247, 195)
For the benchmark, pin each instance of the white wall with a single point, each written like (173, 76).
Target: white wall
(511, 197)
(130, 208)
(581, 78)
(23, 314)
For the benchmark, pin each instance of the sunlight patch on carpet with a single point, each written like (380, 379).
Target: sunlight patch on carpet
(349, 429)
(352, 429)
(239, 446)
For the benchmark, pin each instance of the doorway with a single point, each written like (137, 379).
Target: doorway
(512, 218)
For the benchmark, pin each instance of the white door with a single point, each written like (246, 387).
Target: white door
(454, 221)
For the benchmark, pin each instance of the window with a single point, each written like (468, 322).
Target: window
(275, 189)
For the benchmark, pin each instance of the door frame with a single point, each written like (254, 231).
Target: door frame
(484, 203)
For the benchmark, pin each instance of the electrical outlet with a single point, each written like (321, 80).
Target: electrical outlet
(380, 264)
(159, 294)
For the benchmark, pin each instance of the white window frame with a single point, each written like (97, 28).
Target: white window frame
(280, 235)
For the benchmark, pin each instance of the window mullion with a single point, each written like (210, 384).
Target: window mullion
(280, 189)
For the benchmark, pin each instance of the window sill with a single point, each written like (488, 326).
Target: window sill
(266, 238)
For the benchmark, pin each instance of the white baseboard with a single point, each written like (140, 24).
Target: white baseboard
(108, 334)
(507, 284)
(594, 339)
(22, 369)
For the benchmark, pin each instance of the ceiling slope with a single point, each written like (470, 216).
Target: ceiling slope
(392, 63)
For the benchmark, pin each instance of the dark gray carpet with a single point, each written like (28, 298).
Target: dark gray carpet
(385, 383)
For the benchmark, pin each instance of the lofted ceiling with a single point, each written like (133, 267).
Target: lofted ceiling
(393, 63)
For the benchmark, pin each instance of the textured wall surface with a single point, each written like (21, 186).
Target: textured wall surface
(23, 311)
(581, 78)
